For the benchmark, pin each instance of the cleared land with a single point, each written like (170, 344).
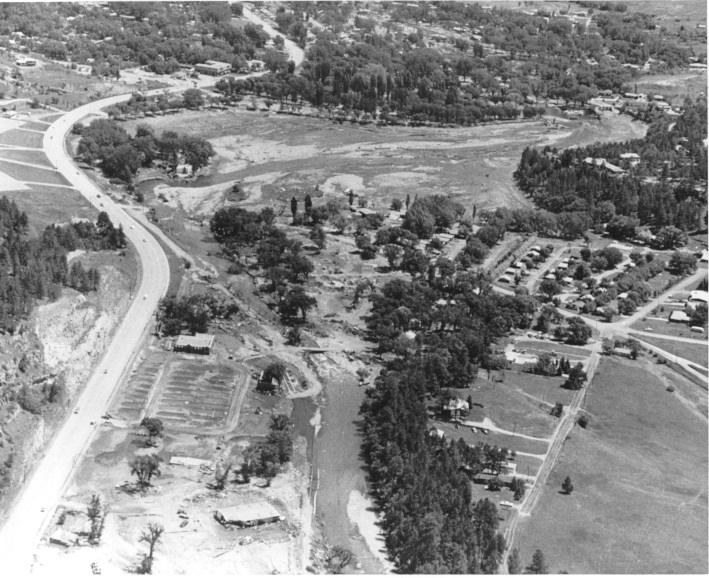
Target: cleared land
(640, 476)
(273, 155)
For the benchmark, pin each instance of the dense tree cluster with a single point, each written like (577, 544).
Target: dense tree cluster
(193, 313)
(37, 268)
(514, 59)
(666, 187)
(121, 155)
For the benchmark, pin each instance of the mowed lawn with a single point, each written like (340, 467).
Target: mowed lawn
(32, 174)
(640, 477)
(696, 352)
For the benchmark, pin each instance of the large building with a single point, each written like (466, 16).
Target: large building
(246, 515)
(199, 343)
(213, 68)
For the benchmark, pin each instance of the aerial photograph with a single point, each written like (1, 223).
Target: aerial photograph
(351, 287)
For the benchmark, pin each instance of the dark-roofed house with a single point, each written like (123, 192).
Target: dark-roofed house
(199, 343)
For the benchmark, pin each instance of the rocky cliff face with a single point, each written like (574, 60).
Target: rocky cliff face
(45, 364)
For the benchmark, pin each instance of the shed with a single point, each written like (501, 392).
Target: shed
(247, 515)
(198, 343)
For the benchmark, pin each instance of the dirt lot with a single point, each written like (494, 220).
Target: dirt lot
(640, 476)
(196, 546)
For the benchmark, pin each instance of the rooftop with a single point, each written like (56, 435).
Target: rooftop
(245, 513)
(199, 340)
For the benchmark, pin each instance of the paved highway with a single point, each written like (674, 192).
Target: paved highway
(35, 504)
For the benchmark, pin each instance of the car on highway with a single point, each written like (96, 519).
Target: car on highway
(76, 410)
(105, 370)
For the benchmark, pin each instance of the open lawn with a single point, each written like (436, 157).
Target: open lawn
(559, 348)
(511, 402)
(666, 328)
(640, 476)
(47, 205)
(32, 174)
(695, 352)
(546, 389)
(34, 157)
(22, 138)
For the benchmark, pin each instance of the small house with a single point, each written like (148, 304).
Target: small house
(453, 408)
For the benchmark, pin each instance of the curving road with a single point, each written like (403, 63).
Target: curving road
(34, 505)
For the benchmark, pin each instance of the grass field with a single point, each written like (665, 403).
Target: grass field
(666, 328)
(32, 174)
(512, 402)
(560, 348)
(46, 205)
(695, 352)
(640, 476)
(22, 138)
(34, 157)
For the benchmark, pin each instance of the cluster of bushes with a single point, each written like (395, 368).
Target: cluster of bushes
(192, 98)
(193, 313)
(266, 458)
(37, 268)
(283, 260)
(121, 155)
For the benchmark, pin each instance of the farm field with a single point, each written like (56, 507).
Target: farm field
(640, 476)
(695, 352)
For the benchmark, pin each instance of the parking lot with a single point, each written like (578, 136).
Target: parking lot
(197, 393)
